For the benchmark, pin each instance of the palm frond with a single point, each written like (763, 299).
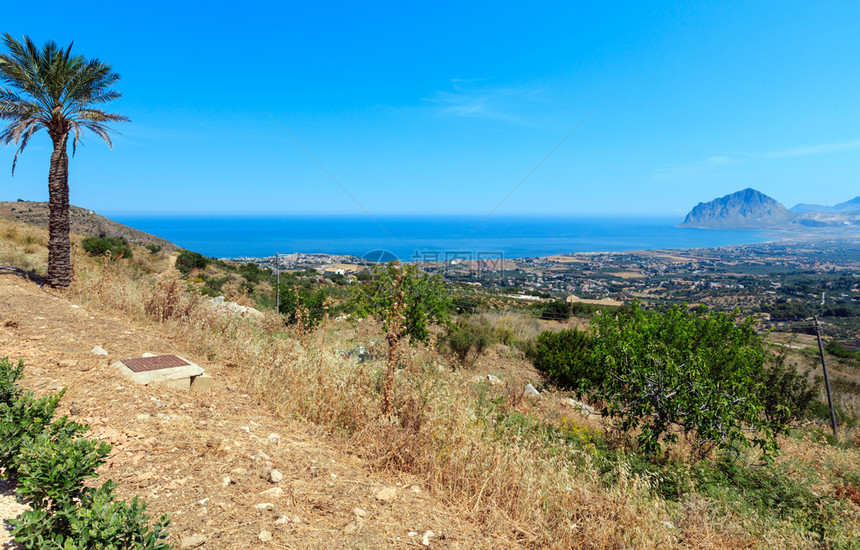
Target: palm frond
(52, 88)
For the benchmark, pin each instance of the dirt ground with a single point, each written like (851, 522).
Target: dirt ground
(206, 458)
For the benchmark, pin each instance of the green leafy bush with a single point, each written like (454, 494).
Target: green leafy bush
(466, 340)
(561, 356)
(688, 369)
(153, 248)
(51, 462)
(555, 311)
(99, 246)
(422, 297)
(312, 302)
(187, 261)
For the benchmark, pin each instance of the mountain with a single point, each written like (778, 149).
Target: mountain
(848, 206)
(84, 222)
(745, 209)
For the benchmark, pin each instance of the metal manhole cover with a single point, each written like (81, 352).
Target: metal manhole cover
(143, 364)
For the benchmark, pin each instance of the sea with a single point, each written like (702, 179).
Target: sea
(427, 238)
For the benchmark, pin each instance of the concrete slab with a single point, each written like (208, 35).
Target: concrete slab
(178, 376)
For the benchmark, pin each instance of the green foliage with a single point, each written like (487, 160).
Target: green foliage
(555, 311)
(682, 368)
(153, 248)
(786, 395)
(836, 349)
(9, 376)
(424, 298)
(466, 340)
(24, 418)
(99, 246)
(562, 357)
(311, 302)
(187, 261)
(51, 462)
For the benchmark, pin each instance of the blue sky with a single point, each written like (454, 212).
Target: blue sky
(444, 107)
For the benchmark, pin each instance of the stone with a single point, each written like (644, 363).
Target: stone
(531, 391)
(350, 528)
(264, 506)
(425, 540)
(193, 541)
(282, 520)
(578, 405)
(274, 492)
(493, 379)
(359, 512)
(67, 363)
(262, 456)
(202, 383)
(226, 481)
(386, 494)
(98, 350)
(276, 476)
(265, 536)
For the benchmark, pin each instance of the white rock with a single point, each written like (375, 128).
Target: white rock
(531, 391)
(350, 528)
(493, 379)
(276, 476)
(226, 481)
(98, 350)
(425, 540)
(274, 439)
(265, 536)
(264, 506)
(359, 512)
(282, 520)
(274, 492)
(193, 541)
(413, 534)
(386, 494)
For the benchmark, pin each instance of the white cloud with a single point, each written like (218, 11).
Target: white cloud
(810, 150)
(471, 98)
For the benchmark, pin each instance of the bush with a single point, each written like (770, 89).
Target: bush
(99, 246)
(153, 248)
(561, 356)
(311, 302)
(466, 340)
(51, 462)
(556, 311)
(187, 261)
(701, 372)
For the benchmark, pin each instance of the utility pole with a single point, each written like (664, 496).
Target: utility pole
(826, 379)
(278, 284)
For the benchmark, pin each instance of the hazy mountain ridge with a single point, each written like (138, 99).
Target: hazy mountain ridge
(848, 206)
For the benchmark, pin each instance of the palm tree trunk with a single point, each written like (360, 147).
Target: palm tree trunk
(59, 245)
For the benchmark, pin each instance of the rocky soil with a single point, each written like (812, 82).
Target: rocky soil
(229, 471)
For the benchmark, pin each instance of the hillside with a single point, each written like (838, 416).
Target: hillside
(745, 209)
(466, 460)
(83, 221)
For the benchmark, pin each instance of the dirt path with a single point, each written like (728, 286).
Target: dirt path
(206, 458)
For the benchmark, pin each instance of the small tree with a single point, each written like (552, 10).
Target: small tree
(683, 368)
(407, 301)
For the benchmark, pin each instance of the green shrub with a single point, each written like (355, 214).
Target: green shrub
(187, 261)
(561, 356)
(51, 462)
(99, 246)
(24, 418)
(153, 248)
(466, 340)
(555, 311)
(682, 369)
(311, 301)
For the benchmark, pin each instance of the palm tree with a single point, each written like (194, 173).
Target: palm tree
(52, 89)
